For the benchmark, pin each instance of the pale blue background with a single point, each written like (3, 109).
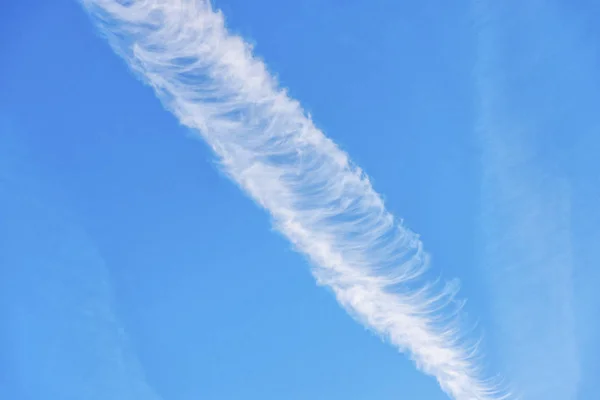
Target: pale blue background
(126, 257)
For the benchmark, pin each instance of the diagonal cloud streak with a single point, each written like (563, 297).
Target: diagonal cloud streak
(322, 202)
(533, 81)
(60, 333)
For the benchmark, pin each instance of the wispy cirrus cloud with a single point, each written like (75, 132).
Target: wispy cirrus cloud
(534, 75)
(61, 336)
(322, 202)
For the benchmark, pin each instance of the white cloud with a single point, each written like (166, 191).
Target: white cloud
(318, 199)
(525, 86)
(60, 331)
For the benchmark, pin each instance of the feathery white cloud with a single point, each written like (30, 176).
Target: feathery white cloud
(322, 202)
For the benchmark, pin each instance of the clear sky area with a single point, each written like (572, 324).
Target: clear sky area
(311, 199)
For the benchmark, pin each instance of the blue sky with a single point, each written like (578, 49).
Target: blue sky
(131, 267)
